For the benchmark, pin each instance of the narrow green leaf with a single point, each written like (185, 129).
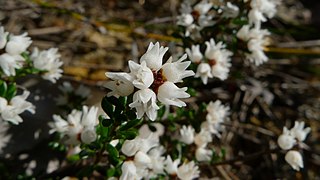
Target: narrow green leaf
(130, 124)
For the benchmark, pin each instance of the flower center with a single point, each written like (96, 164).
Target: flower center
(159, 79)
(212, 62)
(195, 14)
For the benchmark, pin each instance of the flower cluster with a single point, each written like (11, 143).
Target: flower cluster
(49, 62)
(13, 45)
(148, 160)
(195, 17)
(151, 81)
(10, 110)
(217, 113)
(216, 62)
(80, 126)
(289, 138)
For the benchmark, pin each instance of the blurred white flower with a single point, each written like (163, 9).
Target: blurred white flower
(195, 18)
(299, 132)
(48, 61)
(257, 55)
(202, 138)
(131, 147)
(79, 126)
(4, 136)
(217, 113)
(171, 167)
(18, 44)
(295, 160)
(188, 171)
(17, 105)
(204, 71)
(286, 141)
(9, 63)
(142, 159)
(219, 59)
(187, 134)
(230, 10)
(203, 154)
(3, 37)
(194, 54)
(129, 171)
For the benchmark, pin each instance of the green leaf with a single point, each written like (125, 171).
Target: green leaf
(107, 106)
(130, 124)
(3, 88)
(11, 91)
(131, 114)
(111, 172)
(128, 134)
(113, 155)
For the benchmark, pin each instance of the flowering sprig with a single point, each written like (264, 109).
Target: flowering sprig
(151, 80)
(289, 138)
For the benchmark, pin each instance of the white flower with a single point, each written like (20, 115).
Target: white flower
(171, 167)
(131, 147)
(256, 17)
(49, 61)
(9, 63)
(286, 141)
(185, 20)
(18, 104)
(176, 71)
(267, 7)
(142, 159)
(154, 55)
(194, 54)
(230, 11)
(4, 136)
(3, 37)
(299, 132)
(157, 160)
(244, 33)
(169, 94)
(257, 55)
(216, 112)
(219, 58)
(18, 44)
(187, 134)
(145, 132)
(202, 138)
(204, 71)
(203, 154)
(142, 75)
(88, 135)
(129, 171)
(59, 125)
(144, 101)
(121, 86)
(203, 7)
(188, 171)
(79, 126)
(295, 160)
(89, 116)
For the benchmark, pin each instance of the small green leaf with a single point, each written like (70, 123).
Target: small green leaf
(130, 124)
(107, 107)
(3, 88)
(128, 134)
(113, 155)
(11, 91)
